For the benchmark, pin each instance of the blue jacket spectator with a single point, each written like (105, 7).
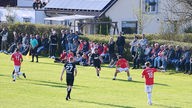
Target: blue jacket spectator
(44, 44)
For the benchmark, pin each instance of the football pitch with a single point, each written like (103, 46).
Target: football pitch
(43, 88)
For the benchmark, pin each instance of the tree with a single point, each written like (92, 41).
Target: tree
(182, 9)
(105, 27)
(178, 13)
(10, 17)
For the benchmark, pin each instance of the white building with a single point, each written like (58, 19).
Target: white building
(22, 15)
(129, 16)
(24, 12)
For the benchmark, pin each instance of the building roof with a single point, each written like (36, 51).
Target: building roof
(78, 4)
(80, 7)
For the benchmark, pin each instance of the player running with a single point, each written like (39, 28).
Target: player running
(96, 62)
(71, 71)
(17, 58)
(122, 65)
(148, 73)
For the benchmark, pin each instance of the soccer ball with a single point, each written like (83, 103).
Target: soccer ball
(129, 79)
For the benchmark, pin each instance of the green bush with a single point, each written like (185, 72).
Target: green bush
(30, 29)
(173, 39)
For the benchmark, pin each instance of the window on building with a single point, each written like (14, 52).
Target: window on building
(129, 27)
(26, 19)
(151, 6)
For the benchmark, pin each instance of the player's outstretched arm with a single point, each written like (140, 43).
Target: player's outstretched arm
(142, 76)
(22, 59)
(12, 59)
(61, 78)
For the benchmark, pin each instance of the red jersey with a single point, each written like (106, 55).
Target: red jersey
(69, 55)
(149, 75)
(80, 46)
(123, 63)
(17, 58)
(63, 56)
(105, 49)
(100, 50)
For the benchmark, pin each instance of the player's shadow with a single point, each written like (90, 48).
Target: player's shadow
(134, 81)
(51, 84)
(4, 75)
(104, 104)
(51, 63)
(165, 106)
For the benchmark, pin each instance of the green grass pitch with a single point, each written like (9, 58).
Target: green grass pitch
(43, 89)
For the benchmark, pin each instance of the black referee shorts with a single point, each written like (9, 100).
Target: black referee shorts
(97, 65)
(70, 81)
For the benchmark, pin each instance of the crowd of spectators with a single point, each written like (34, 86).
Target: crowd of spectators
(160, 56)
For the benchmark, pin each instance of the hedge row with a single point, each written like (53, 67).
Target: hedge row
(30, 29)
(173, 39)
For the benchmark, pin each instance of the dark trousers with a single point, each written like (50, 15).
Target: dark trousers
(4, 45)
(137, 61)
(190, 68)
(34, 54)
(120, 50)
(52, 50)
(184, 65)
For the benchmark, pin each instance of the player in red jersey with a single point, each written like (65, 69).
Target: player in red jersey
(17, 58)
(148, 73)
(122, 65)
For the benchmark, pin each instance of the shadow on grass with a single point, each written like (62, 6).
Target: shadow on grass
(175, 72)
(165, 106)
(104, 104)
(50, 63)
(51, 84)
(134, 81)
(4, 75)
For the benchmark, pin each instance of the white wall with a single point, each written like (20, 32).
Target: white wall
(19, 13)
(128, 10)
(39, 17)
(123, 10)
(25, 3)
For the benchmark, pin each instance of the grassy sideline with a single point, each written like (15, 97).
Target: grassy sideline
(42, 88)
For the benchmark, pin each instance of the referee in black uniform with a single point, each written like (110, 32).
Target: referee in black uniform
(97, 62)
(71, 71)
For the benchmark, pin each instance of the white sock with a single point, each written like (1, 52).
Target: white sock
(20, 73)
(149, 97)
